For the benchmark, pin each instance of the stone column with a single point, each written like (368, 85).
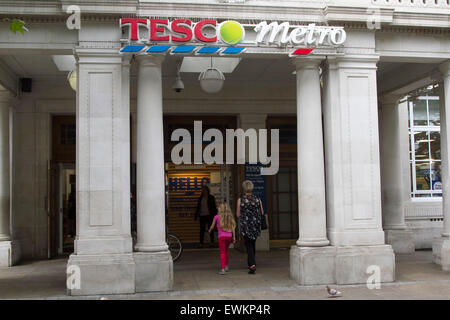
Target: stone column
(353, 169)
(310, 162)
(311, 179)
(256, 121)
(395, 172)
(103, 258)
(7, 254)
(154, 266)
(441, 246)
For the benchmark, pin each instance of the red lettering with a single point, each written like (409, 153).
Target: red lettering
(133, 23)
(198, 30)
(154, 29)
(180, 26)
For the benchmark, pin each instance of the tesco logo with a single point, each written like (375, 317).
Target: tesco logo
(183, 30)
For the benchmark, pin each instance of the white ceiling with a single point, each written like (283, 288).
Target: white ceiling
(31, 65)
(249, 69)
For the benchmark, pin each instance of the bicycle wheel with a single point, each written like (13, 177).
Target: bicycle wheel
(175, 246)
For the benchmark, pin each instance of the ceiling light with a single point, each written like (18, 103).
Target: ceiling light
(72, 78)
(211, 80)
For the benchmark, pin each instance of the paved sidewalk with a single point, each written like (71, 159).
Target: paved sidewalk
(196, 277)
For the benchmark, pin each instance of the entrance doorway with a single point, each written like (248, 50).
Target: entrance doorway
(62, 183)
(282, 187)
(184, 182)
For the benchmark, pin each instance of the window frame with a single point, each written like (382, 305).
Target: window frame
(416, 195)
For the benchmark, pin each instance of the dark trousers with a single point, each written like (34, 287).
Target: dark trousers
(250, 245)
(205, 222)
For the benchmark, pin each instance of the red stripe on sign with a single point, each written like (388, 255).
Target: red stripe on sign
(302, 52)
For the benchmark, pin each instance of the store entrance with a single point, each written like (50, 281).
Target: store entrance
(185, 181)
(184, 184)
(62, 183)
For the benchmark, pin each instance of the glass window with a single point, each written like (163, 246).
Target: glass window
(283, 182)
(288, 133)
(435, 145)
(421, 145)
(425, 147)
(420, 113)
(284, 222)
(434, 112)
(284, 202)
(423, 176)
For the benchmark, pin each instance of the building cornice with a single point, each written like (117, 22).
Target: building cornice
(403, 13)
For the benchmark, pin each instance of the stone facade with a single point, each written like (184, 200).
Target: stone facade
(353, 167)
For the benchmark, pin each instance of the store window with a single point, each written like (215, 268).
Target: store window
(425, 146)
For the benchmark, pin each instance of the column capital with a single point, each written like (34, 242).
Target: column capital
(307, 62)
(149, 60)
(97, 56)
(126, 60)
(354, 61)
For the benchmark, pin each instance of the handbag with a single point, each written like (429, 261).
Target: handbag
(263, 222)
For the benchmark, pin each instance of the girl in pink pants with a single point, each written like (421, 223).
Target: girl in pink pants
(225, 227)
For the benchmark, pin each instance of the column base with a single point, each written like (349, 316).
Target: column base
(103, 274)
(154, 271)
(340, 265)
(402, 241)
(9, 253)
(441, 253)
(313, 265)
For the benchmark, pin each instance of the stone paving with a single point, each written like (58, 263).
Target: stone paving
(196, 278)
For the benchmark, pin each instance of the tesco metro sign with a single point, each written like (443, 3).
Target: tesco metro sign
(178, 30)
(204, 35)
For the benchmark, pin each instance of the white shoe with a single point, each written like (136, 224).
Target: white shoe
(227, 269)
(222, 271)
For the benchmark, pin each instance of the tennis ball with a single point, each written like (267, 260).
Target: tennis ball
(231, 32)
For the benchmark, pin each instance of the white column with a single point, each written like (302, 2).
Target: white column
(150, 157)
(445, 146)
(395, 172)
(353, 179)
(256, 121)
(441, 246)
(9, 249)
(5, 213)
(310, 161)
(154, 266)
(103, 246)
(312, 261)
(352, 151)
(4, 168)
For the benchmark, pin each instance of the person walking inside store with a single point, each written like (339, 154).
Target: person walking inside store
(249, 210)
(206, 210)
(226, 233)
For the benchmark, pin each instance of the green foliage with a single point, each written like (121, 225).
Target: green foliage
(18, 25)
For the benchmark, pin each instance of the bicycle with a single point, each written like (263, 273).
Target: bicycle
(173, 242)
(175, 246)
